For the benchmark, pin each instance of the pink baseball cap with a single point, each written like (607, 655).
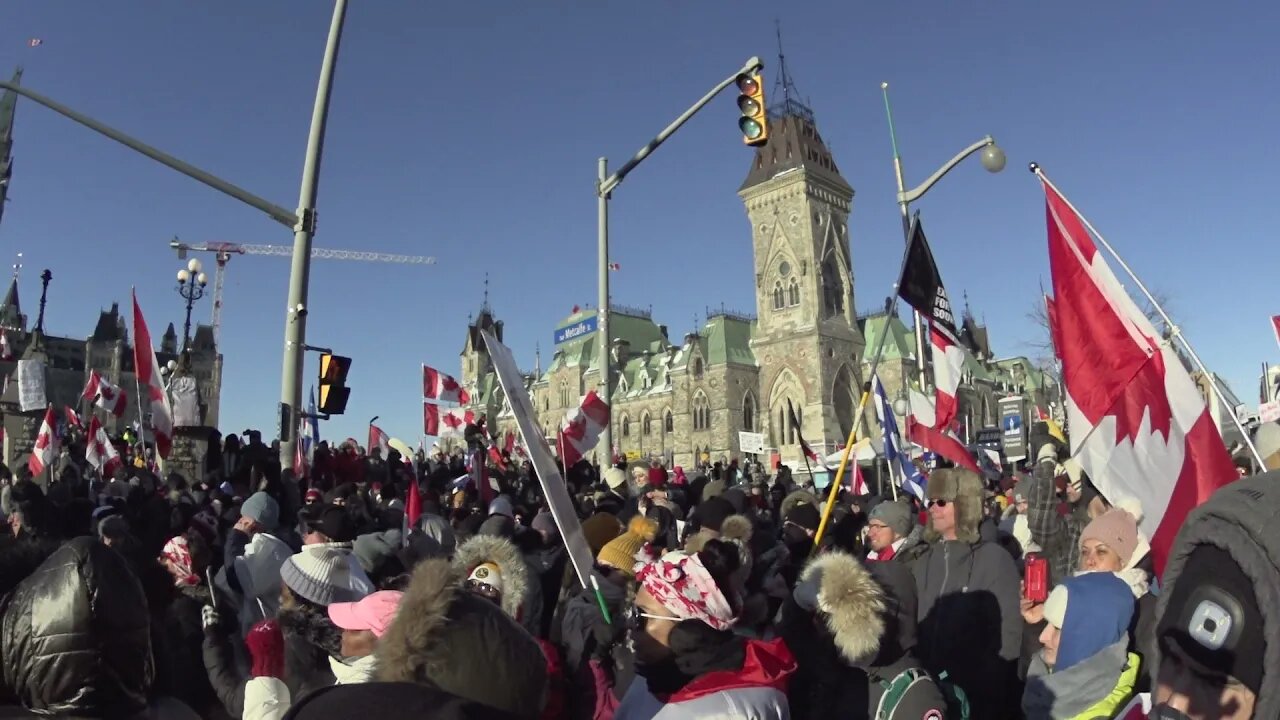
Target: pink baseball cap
(374, 613)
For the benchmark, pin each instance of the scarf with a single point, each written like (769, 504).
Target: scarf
(357, 670)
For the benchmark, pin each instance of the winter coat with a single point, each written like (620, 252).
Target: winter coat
(465, 646)
(521, 594)
(392, 701)
(75, 636)
(970, 622)
(1057, 535)
(757, 690)
(180, 650)
(581, 626)
(1093, 688)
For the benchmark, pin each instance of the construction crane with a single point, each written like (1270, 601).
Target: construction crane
(223, 251)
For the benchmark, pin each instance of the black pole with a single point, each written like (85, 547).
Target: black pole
(45, 277)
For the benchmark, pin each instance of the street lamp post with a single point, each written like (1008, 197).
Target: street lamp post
(191, 284)
(993, 160)
(605, 185)
(302, 222)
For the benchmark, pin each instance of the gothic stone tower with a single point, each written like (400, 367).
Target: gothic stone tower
(807, 339)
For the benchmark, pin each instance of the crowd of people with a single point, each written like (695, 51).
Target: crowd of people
(253, 593)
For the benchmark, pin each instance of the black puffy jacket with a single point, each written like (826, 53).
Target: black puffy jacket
(75, 636)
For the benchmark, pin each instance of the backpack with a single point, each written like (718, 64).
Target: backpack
(896, 689)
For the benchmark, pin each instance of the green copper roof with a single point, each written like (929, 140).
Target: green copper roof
(900, 345)
(727, 339)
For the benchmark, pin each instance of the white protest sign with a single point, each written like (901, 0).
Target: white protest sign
(750, 442)
(1269, 411)
(553, 485)
(31, 395)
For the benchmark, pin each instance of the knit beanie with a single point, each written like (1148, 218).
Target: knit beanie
(262, 509)
(615, 478)
(544, 522)
(319, 574)
(897, 515)
(711, 513)
(1117, 529)
(621, 551)
(805, 516)
(599, 529)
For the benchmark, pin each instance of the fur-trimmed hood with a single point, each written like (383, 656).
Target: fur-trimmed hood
(503, 553)
(447, 638)
(963, 488)
(851, 603)
(313, 625)
(795, 499)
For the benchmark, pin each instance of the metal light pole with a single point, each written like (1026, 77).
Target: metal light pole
(45, 278)
(295, 323)
(191, 283)
(992, 159)
(302, 222)
(604, 188)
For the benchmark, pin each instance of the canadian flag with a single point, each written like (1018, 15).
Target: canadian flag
(582, 427)
(73, 419)
(105, 395)
(923, 429)
(442, 388)
(445, 423)
(99, 452)
(46, 447)
(378, 439)
(1275, 326)
(147, 369)
(1139, 426)
(921, 287)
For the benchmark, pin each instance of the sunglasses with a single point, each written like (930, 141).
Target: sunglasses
(938, 503)
(635, 618)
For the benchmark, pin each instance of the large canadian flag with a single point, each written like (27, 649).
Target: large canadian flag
(378, 440)
(147, 369)
(439, 423)
(921, 287)
(582, 428)
(1139, 426)
(46, 448)
(442, 388)
(923, 429)
(105, 395)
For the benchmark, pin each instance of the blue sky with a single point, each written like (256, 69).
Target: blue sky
(470, 131)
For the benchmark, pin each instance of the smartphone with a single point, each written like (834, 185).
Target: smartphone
(1036, 578)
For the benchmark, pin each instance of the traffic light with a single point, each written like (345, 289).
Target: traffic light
(333, 384)
(753, 123)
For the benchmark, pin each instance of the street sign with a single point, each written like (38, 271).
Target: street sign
(574, 331)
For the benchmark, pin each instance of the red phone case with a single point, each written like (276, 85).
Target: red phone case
(1036, 579)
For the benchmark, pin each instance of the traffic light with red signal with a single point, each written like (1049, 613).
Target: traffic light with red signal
(754, 124)
(334, 392)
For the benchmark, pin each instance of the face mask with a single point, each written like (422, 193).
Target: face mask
(1163, 712)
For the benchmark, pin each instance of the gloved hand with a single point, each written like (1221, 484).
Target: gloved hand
(266, 646)
(607, 636)
(209, 618)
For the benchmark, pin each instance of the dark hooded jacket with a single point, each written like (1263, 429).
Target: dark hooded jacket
(970, 622)
(75, 636)
(462, 645)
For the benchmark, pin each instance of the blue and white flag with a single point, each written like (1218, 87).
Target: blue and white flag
(313, 423)
(905, 473)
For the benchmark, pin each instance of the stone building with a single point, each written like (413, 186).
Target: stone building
(107, 350)
(805, 347)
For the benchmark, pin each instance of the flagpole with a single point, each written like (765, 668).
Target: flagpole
(862, 405)
(1173, 329)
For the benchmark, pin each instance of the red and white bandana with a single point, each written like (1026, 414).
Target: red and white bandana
(684, 587)
(177, 555)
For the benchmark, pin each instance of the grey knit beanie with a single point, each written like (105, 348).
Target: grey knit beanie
(262, 509)
(897, 515)
(319, 574)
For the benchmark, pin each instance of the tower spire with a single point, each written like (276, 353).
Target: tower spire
(537, 360)
(790, 104)
(485, 305)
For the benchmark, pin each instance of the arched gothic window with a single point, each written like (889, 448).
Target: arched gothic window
(626, 426)
(669, 423)
(793, 293)
(748, 413)
(646, 425)
(778, 298)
